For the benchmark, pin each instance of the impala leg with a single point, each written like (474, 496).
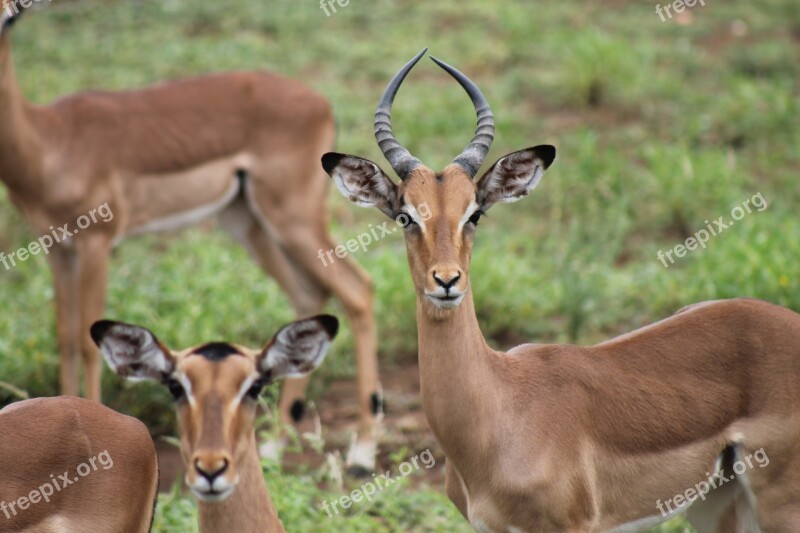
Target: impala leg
(353, 288)
(93, 257)
(716, 509)
(301, 234)
(776, 487)
(63, 264)
(455, 488)
(305, 294)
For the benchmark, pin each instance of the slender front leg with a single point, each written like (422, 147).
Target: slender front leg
(456, 490)
(94, 253)
(63, 265)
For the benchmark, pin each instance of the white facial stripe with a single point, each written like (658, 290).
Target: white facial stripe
(473, 206)
(246, 384)
(181, 378)
(415, 216)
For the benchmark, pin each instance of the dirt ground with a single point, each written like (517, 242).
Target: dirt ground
(406, 431)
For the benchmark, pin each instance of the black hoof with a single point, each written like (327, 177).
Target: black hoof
(358, 471)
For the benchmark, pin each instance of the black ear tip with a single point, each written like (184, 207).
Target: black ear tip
(99, 330)
(330, 160)
(8, 22)
(330, 323)
(547, 153)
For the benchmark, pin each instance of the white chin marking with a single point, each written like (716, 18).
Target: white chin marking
(212, 497)
(446, 304)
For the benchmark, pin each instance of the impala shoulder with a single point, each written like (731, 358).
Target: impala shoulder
(737, 309)
(729, 304)
(543, 350)
(313, 103)
(87, 419)
(79, 104)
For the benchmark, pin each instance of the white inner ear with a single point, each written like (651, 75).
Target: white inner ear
(359, 186)
(297, 350)
(513, 177)
(126, 345)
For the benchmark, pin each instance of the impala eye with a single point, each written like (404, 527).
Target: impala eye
(176, 389)
(255, 389)
(476, 216)
(405, 221)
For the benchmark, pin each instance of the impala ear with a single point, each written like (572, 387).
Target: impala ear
(298, 348)
(514, 175)
(10, 14)
(361, 181)
(132, 352)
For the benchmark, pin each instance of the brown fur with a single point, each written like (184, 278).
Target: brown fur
(50, 436)
(211, 431)
(560, 437)
(573, 438)
(216, 388)
(162, 151)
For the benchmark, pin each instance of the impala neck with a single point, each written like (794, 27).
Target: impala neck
(459, 383)
(19, 141)
(249, 508)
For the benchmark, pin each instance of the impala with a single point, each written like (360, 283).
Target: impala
(216, 388)
(240, 146)
(71, 465)
(570, 438)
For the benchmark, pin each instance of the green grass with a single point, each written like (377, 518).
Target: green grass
(659, 127)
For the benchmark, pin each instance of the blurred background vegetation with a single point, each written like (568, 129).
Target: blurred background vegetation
(660, 126)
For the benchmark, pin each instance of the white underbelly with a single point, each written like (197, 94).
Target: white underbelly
(178, 200)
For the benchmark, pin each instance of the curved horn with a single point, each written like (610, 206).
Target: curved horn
(473, 155)
(401, 159)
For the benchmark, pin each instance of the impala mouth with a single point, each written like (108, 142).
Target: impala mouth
(212, 492)
(448, 300)
(212, 496)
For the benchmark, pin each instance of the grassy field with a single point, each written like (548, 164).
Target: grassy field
(660, 126)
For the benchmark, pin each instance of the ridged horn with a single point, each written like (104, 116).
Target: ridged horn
(473, 155)
(401, 159)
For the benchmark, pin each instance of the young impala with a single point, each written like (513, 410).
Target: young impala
(216, 387)
(71, 465)
(573, 438)
(242, 147)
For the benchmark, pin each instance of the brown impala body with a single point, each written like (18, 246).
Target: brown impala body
(71, 465)
(216, 387)
(609, 437)
(242, 147)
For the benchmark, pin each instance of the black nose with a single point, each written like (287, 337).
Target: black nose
(446, 284)
(211, 476)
